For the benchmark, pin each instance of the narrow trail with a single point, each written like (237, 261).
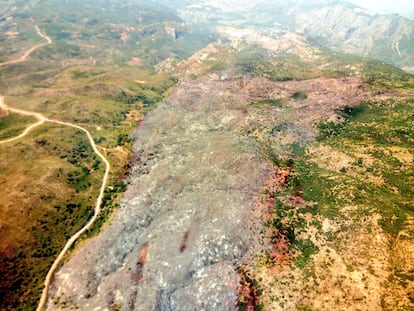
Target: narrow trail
(397, 47)
(88, 225)
(29, 51)
(42, 119)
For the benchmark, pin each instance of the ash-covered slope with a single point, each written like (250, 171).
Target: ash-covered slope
(184, 224)
(192, 211)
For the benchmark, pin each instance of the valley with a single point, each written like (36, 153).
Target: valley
(204, 156)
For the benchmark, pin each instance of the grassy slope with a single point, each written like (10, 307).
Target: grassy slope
(47, 193)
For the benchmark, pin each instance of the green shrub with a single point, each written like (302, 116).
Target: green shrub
(300, 95)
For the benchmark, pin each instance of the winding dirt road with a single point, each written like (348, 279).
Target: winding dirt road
(29, 51)
(88, 225)
(42, 119)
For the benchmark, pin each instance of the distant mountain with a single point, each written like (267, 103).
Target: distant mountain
(348, 28)
(336, 24)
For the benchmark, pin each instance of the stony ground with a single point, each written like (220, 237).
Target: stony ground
(190, 215)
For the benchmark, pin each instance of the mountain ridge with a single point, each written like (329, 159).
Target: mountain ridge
(339, 25)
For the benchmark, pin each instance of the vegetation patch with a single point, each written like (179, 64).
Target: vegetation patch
(277, 102)
(300, 95)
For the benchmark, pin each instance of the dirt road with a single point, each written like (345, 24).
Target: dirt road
(88, 225)
(42, 119)
(29, 51)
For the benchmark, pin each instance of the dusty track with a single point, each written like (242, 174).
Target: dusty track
(29, 51)
(42, 119)
(88, 225)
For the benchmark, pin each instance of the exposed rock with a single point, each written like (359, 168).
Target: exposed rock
(171, 32)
